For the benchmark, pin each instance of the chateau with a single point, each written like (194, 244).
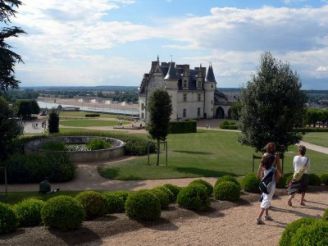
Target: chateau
(193, 92)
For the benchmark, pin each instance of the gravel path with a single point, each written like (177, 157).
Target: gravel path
(235, 226)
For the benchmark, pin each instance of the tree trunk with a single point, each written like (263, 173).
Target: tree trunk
(158, 151)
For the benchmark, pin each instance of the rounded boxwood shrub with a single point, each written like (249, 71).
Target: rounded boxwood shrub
(325, 215)
(115, 201)
(174, 189)
(8, 219)
(282, 183)
(314, 179)
(93, 202)
(291, 229)
(63, 213)
(143, 205)
(162, 196)
(324, 179)
(227, 191)
(208, 186)
(172, 197)
(194, 197)
(313, 234)
(228, 178)
(29, 212)
(250, 183)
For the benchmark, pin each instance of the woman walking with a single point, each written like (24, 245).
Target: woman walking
(269, 167)
(299, 183)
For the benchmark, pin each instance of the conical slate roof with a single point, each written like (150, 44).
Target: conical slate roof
(171, 73)
(210, 75)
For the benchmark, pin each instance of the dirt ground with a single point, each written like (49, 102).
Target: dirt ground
(225, 224)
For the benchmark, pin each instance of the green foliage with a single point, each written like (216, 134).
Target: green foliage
(284, 180)
(96, 144)
(325, 215)
(228, 124)
(308, 129)
(291, 229)
(115, 201)
(29, 212)
(33, 168)
(208, 186)
(53, 146)
(188, 126)
(194, 197)
(8, 219)
(227, 191)
(314, 179)
(160, 110)
(250, 183)
(313, 234)
(8, 58)
(93, 202)
(227, 178)
(162, 196)
(9, 129)
(174, 189)
(235, 110)
(92, 115)
(315, 115)
(26, 108)
(53, 122)
(143, 205)
(324, 179)
(63, 213)
(273, 105)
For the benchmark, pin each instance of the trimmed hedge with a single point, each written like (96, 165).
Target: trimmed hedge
(33, 168)
(227, 178)
(284, 180)
(308, 129)
(162, 196)
(115, 201)
(314, 179)
(189, 126)
(291, 229)
(172, 197)
(29, 212)
(92, 115)
(93, 202)
(313, 234)
(63, 213)
(194, 197)
(96, 144)
(227, 191)
(208, 186)
(250, 183)
(143, 206)
(228, 124)
(8, 219)
(324, 179)
(174, 189)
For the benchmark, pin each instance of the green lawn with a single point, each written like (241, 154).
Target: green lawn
(89, 122)
(207, 153)
(81, 114)
(318, 138)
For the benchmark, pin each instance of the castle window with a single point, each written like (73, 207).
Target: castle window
(185, 84)
(199, 97)
(185, 97)
(198, 112)
(184, 113)
(142, 106)
(199, 84)
(142, 115)
(212, 86)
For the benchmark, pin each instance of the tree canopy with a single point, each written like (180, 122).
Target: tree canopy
(27, 107)
(272, 105)
(8, 58)
(160, 110)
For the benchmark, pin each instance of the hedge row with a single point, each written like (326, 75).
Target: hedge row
(92, 115)
(189, 126)
(33, 168)
(310, 129)
(228, 124)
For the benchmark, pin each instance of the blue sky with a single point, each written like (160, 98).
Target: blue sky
(112, 42)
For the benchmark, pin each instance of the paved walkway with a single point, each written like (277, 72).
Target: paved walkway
(235, 226)
(314, 147)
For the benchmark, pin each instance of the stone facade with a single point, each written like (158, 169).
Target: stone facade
(193, 92)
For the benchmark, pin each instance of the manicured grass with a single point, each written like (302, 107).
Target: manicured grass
(81, 114)
(88, 122)
(318, 138)
(206, 153)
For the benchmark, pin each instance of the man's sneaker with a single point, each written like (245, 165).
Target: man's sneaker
(259, 221)
(268, 218)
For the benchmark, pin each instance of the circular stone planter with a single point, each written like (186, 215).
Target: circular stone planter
(117, 149)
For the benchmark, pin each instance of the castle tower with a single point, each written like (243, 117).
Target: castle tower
(171, 85)
(209, 87)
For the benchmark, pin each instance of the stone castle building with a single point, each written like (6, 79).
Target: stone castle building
(193, 92)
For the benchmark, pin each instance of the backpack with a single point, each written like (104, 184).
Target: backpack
(266, 183)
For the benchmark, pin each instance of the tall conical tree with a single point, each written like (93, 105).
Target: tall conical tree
(8, 58)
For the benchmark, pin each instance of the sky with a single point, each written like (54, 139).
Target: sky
(112, 42)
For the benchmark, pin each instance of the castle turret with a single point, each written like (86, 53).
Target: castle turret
(209, 87)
